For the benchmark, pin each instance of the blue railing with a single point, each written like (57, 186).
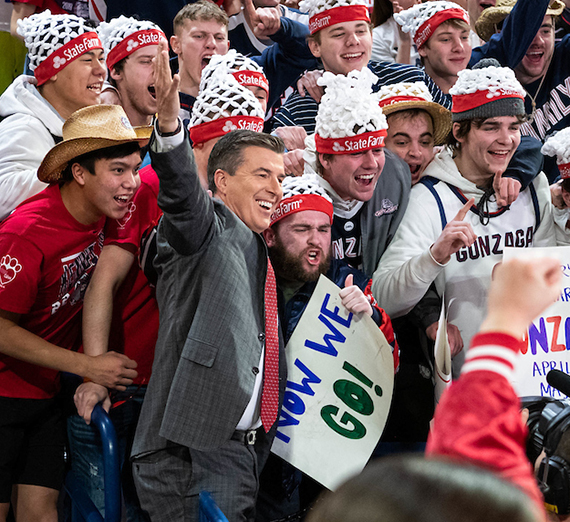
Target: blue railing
(209, 511)
(81, 505)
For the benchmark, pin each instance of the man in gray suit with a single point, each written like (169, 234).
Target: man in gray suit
(201, 414)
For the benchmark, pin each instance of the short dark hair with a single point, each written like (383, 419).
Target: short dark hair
(87, 160)
(326, 157)
(465, 128)
(409, 114)
(415, 489)
(227, 153)
(116, 69)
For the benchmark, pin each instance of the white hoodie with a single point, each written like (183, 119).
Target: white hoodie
(407, 269)
(27, 133)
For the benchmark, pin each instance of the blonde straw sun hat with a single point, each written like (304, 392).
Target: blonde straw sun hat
(407, 96)
(87, 130)
(486, 25)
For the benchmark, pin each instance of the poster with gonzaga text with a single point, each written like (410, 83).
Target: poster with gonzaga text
(548, 337)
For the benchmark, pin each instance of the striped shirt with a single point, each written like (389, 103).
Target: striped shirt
(302, 110)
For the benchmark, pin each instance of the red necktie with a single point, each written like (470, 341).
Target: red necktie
(270, 394)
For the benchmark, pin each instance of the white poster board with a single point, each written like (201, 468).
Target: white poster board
(339, 389)
(442, 356)
(548, 337)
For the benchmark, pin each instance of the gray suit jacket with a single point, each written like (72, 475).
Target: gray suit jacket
(210, 293)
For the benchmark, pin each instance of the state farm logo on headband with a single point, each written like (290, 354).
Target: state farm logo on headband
(302, 202)
(132, 43)
(58, 62)
(337, 15)
(252, 78)
(151, 37)
(351, 144)
(214, 129)
(318, 22)
(80, 48)
(61, 57)
(286, 207)
(425, 31)
(506, 92)
(466, 102)
(370, 142)
(229, 126)
(399, 99)
(564, 170)
(255, 126)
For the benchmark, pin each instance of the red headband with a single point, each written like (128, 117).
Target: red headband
(252, 78)
(63, 56)
(351, 144)
(337, 15)
(564, 170)
(133, 43)
(398, 99)
(216, 128)
(425, 30)
(299, 203)
(466, 102)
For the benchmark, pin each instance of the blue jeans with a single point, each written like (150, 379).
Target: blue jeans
(87, 455)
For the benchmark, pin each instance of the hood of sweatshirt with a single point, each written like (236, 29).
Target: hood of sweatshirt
(22, 98)
(445, 169)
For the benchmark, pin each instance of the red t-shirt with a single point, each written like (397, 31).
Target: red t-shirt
(134, 329)
(46, 260)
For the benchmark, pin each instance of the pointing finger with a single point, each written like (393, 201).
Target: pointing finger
(498, 176)
(463, 212)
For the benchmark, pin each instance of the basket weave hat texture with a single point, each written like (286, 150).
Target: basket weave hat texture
(405, 96)
(223, 105)
(301, 193)
(486, 91)
(54, 41)
(487, 23)
(235, 63)
(44, 33)
(559, 146)
(89, 129)
(421, 20)
(123, 36)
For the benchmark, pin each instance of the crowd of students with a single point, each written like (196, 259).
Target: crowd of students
(169, 197)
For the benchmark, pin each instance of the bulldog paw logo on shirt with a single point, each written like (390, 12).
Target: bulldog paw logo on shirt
(9, 267)
(127, 217)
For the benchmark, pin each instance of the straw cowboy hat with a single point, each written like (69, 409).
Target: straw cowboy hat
(486, 25)
(406, 96)
(89, 129)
